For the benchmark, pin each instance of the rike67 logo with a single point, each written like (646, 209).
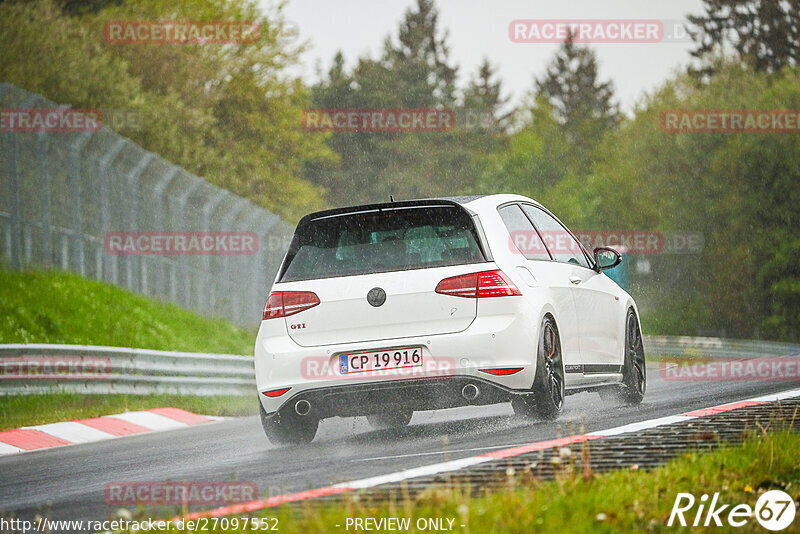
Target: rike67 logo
(775, 510)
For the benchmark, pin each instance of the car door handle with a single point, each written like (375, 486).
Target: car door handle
(575, 279)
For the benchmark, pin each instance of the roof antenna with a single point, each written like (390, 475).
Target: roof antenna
(391, 198)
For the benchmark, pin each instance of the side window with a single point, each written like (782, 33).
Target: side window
(559, 241)
(522, 233)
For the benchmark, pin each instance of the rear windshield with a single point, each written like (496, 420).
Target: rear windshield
(382, 241)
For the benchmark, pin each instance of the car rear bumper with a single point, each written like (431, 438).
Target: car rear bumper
(449, 361)
(413, 394)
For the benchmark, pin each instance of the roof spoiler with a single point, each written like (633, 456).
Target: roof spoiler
(430, 202)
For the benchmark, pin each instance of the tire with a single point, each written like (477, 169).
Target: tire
(634, 370)
(547, 394)
(390, 419)
(287, 428)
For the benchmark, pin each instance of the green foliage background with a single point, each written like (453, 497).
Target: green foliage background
(233, 115)
(229, 113)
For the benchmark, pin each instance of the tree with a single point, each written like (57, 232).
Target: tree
(584, 106)
(766, 32)
(419, 59)
(228, 113)
(413, 71)
(557, 130)
(483, 96)
(337, 89)
(571, 85)
(738, 189)
(537, 156)
(79, 7)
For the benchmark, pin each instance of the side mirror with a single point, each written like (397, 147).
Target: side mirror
(606, 258)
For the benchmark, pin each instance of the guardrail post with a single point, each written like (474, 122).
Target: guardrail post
(75, 193)
(165, 276)
(105, 207)
(256, 283)
(13, 186)
(3, 88)
(211, 280)
(44, 185)
(133, 213)
(13, 192)
(23, 242)
(234, 292)
(183, 198)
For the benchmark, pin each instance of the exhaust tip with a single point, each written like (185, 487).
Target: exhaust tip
(470, 392)
(302, 407)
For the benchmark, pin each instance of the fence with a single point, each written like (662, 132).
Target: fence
(152, 371)
(62, 192)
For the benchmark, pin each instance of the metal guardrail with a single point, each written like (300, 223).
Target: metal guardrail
(141, 371)
(132, 371)
(716, 347)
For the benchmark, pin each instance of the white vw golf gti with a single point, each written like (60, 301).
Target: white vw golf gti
(387, 309)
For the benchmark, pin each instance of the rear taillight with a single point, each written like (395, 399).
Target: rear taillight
(286, 303)
(503, 371)
(275, 392)
(478, 285)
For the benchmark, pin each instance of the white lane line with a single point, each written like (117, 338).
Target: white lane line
(642, 425)
(73, 432)
(624, 429)
(423, 471)
(454, 465)
(5, 448)
(774, 397)
(450, 451)
(150, 420)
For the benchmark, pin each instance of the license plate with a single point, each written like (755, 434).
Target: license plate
(379, 360)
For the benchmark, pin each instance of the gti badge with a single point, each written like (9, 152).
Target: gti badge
(376, 296)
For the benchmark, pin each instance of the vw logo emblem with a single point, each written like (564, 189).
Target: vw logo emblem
(376, 296)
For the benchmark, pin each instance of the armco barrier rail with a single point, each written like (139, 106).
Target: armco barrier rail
(136, 371)
(152, 371)
(716, 347)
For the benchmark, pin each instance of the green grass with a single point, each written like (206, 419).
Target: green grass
(27, 410)
(629, 500)
(675, 316)
(59, 307)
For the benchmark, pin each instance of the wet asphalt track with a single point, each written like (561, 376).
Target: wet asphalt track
(68, 482)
